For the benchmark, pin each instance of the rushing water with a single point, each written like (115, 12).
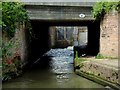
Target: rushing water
(53, 70)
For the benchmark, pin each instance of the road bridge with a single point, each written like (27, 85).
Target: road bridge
(60, 10)
(45, 14)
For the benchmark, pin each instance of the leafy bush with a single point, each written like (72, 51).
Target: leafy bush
(12, 14)
(101, 8)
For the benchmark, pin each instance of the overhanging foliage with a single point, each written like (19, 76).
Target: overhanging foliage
(12, 14)
(101, 8)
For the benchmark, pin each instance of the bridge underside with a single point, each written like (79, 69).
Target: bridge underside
(44, 16)
(41, 30)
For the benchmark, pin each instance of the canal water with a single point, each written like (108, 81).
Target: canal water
(54, 70)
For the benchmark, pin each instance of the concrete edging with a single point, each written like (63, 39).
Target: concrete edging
(97, 80)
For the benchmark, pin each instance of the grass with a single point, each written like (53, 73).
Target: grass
(99, 56)
(79, 59)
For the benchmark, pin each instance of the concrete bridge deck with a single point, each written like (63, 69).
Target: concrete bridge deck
(43, 10)
(80, 4)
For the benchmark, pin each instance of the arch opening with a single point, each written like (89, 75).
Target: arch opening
(42, 43)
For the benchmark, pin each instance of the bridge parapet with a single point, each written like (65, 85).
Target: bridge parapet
(80, 4)
(60, 10)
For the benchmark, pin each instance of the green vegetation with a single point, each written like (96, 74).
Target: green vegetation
(10, 67)
(79, 59)
(0, 14)
(101, 8)
(99, 56)
(98, 79)
(13, 14)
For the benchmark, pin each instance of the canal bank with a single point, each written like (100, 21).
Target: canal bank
(102, 71)
(54, 70)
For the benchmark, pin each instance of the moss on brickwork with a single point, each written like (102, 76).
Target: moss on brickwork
(97, 79)
(85, 71)
(79, 59)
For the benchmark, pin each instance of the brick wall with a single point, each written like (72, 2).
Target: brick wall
(109, 35)
(60, 36)
(52, 36)
(21, 46)
(58, 40)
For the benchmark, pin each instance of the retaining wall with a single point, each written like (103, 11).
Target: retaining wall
(20, 47)
(109, 35)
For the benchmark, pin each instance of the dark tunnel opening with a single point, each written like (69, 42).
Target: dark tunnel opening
(93, 38)
(40, 44)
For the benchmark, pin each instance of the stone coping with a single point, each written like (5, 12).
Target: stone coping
(105, 70)
(108, 62)
(80, 3)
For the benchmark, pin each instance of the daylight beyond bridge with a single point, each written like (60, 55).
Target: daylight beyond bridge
(43, 15)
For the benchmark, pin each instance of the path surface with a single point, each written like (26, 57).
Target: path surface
(110, 62)
(107, 69)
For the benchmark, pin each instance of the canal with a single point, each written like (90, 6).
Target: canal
(55, 69)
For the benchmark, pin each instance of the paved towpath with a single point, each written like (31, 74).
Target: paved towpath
(108, 62)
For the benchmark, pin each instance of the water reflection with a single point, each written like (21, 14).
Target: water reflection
(53, 70)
